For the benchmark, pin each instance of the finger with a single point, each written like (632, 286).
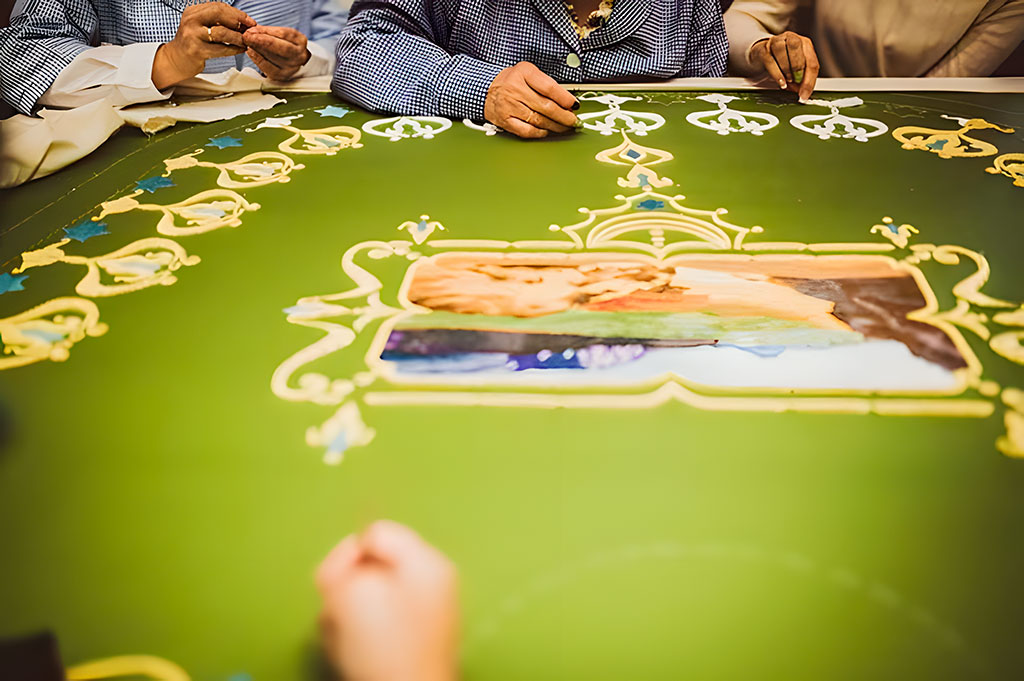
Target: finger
(539, 120)
(392, 543)
(772, 68)
(521, 128)
(550, 111)
(282, 32)
(278, 50)
(547, 86)
(795, 54)
(339, 561)
(213, 50)
(778, 50)
(214, 13)
(813, 68)
(269, 69)
(226, 36)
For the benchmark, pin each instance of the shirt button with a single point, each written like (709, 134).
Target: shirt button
(573, 60)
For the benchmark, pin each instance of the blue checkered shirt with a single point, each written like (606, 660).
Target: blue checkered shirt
(47, 36)
(438, 57)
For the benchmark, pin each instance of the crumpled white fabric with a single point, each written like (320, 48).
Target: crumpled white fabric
(36, 146)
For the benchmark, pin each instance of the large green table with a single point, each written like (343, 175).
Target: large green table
(193, 420)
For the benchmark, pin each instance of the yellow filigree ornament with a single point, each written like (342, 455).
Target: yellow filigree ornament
(899, 235)
(128, 666)
(950, 143)
(204, 212)
(253, 170)
(1012, 444)
(420, 230)
(144, 263)
(640, 159)
(325, 141)
(47, 331)
(1011, 165)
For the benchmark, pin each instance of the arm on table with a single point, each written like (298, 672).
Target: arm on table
(750, 21)
(707, 47)
(390, 60)
(985, 45)
(39, 44)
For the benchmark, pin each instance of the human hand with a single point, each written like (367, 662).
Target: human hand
(208, 30)
(527, 102)
(389, 607)
(790, 60)
(279, 51)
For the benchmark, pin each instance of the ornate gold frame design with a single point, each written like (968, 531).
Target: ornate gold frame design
(653, 225)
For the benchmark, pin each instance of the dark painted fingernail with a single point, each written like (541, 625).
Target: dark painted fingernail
(576, 105)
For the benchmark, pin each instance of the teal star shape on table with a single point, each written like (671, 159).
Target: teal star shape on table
(151, 184)
(11, 282)
(85, 230)
(332, 110)
(224, 142)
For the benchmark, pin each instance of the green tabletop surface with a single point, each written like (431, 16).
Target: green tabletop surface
(199, 402)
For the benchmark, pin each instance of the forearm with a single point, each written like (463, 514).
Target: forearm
(121, 75)
(985, 45)
(37, 46)
(396, 72)
(749, 21)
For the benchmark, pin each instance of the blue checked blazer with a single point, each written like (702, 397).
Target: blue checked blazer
(438, 57)
(49, 34)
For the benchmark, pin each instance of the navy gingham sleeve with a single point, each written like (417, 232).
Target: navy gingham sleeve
(40, 43)
(390, 60)
(707, 48)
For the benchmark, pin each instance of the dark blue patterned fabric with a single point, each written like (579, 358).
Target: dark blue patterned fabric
(438, 57)
(49, 34)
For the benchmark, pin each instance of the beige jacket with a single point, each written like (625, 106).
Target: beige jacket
(887, 38)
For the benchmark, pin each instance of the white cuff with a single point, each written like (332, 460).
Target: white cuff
(321, 61)
(121, 74)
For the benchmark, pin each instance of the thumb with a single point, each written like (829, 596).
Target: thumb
(392, 543)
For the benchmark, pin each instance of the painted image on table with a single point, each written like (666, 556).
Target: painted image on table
(767, 321)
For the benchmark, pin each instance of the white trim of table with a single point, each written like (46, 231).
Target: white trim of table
(992, 85)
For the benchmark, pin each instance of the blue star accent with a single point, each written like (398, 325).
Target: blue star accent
(11, 282)
(339, 444)
(650, 204)
(633, 153)
(644, 181)
(85, 230)
(937, 145)
(151, 184)
(224, 142)
(331, 110)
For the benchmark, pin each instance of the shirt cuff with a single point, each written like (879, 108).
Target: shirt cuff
(121, 74)
(464, 86)
(136, 72)
(321, 61)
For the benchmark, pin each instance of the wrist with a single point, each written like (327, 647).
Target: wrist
(167, 70)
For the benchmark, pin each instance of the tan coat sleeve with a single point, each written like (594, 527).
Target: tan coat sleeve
(748, 21)
(987, 43)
